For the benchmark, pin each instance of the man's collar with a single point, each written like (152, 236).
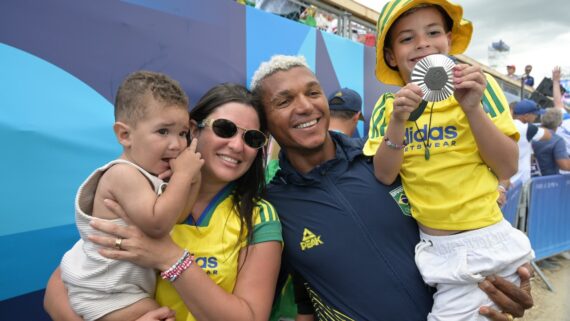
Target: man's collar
(346, 148)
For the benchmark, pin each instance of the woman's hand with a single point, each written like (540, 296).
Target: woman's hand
(129, 243)
(512, 300)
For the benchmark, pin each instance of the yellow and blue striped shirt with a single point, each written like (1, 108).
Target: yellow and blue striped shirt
(216, 241)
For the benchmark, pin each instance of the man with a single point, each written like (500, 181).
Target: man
(552, 155)
(527, 78)
(345, 108)
(511, 72)
(564, 129)
(349, 239)
(525, 113)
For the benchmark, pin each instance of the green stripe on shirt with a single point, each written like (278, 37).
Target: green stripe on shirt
(377, 128)
(267, 232)
(499, 107)
(267, 212)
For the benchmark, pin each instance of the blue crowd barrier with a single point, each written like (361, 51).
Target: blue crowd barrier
(548, 218)
(510, 208)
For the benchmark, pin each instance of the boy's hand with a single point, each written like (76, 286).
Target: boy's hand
(189, 161)
(406, 100)
(556, 74)
(469, 84)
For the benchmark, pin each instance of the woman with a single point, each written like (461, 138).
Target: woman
(551, 154)
(234, 235)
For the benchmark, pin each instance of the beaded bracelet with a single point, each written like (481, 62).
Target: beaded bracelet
(177, 268)
(394, 145)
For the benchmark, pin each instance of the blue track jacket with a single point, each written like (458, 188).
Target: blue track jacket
(348, 237)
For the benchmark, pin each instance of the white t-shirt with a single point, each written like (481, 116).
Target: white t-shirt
(529, 132)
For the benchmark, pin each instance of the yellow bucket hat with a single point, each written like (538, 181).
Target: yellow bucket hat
(460, 33)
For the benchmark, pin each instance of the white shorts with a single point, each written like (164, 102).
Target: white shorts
(455, 264)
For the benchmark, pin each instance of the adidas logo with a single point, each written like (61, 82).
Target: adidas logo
(310, 240)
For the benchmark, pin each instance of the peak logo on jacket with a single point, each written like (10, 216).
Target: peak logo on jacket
(310, 240)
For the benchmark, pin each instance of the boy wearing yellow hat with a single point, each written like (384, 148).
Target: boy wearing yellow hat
(450, 157)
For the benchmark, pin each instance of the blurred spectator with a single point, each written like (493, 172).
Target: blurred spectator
(323, 20)
(365, 36)
(528, 79)
(552, 155)
(525, 113)
(564, 129)
(357, 35)
(247, 2)
(308, 16)
(327, 22)
(511, 72)
(370, 39)
(346, 110)
(332, 25)
(284, 8)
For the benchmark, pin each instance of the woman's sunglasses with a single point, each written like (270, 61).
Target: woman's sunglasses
(226, 129)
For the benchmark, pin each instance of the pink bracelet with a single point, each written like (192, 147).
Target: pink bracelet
(177, 268)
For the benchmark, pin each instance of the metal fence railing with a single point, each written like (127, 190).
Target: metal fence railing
(541, 208)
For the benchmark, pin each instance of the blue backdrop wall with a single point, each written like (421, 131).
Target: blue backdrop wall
(61, 62)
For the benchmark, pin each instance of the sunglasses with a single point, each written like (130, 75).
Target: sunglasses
(226, 129)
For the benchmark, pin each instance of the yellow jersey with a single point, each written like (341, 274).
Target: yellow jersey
(453, 189)
(216, 241)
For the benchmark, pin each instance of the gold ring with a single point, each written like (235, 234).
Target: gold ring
(119, 241)
(509, 316)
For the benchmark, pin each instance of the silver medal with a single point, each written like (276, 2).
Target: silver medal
(433, 74)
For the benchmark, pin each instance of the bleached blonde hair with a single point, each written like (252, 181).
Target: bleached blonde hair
(273, 65)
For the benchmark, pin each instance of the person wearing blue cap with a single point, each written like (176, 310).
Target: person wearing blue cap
(345, 106)
(525, 113)
(529, 109)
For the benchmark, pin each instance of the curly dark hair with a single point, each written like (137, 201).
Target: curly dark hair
(131, 101)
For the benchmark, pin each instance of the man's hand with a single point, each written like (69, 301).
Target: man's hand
(502, 188)
(512, 300)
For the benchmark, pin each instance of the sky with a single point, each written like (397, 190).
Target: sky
(538, 32)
